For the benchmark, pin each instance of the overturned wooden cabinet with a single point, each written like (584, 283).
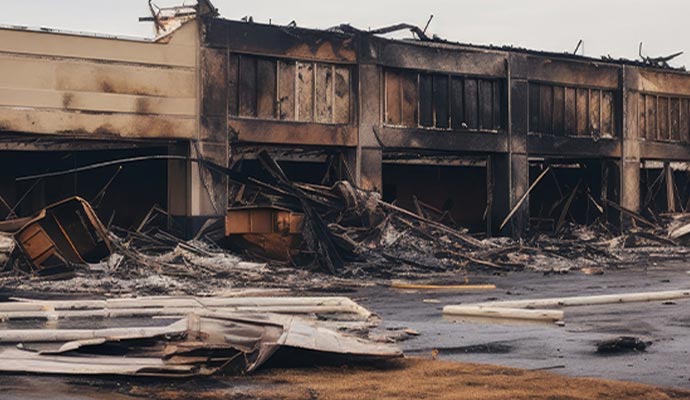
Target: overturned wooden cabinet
(270, 232)
(61, 235)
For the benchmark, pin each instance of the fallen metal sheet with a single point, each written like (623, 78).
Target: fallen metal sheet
(210, 342)
(344, 307)
(61, 235)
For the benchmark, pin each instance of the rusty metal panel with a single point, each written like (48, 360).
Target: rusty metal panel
(247, 87)
(324, 93)
(305, 91)
(286, 89)
(266, 88)
(342, 90)
(441, 98)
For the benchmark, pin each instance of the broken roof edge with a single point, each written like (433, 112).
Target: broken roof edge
(347, 30)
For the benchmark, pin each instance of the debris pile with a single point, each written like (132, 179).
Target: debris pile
(305, 236)
(206, 335)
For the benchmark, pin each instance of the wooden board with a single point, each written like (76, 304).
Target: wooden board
(286, 90)
(393, 86)
(247, 87)
(441, 101)
(266, 88)
(305, 91)
(342, 90)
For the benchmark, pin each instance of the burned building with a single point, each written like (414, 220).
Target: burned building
(460, 130)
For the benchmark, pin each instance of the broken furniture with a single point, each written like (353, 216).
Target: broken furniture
(272, 232)
(59, 236)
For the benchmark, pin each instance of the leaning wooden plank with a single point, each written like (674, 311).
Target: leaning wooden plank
(507, 313)
(637, 217)
(415, 286)
(524, 197)
(591, 300)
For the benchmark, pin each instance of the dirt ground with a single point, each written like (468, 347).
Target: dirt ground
(435, 379)
(416, 378)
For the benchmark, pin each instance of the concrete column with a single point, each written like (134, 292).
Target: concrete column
(511, 170)
(369, 155)
(630, 146)
(195, 194)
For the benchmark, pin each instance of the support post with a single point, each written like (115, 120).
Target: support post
(511, 170)
(369, 153)
(670, 188)
(195, 194)
(630, 145)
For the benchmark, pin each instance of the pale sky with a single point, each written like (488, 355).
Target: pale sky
(608, 27)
